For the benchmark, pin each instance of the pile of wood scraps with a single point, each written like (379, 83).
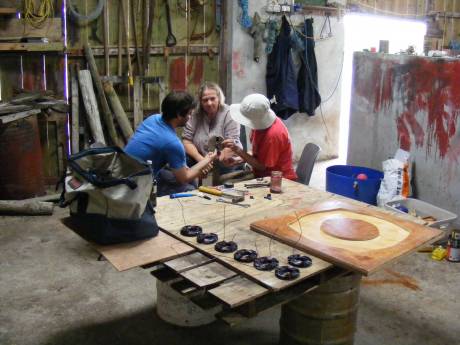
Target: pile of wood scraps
(30, 103)
(111, 126)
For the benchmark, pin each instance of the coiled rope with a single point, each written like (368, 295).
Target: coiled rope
(37, 18)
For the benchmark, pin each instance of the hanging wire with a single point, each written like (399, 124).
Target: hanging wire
(444, 28)
(338, 80)
(224, 222)
(300, 234)
(182, 210)
(375, 9)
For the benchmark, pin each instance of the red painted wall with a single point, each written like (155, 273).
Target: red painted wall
(411, 103)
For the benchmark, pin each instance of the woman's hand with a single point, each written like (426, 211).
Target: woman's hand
(231, 144)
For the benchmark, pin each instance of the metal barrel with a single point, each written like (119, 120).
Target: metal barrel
(21, 171)
(324, 316)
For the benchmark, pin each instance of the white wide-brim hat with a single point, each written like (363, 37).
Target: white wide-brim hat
(253, 111)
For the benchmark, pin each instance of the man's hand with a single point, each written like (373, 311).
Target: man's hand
(211, 156)
(230, 143)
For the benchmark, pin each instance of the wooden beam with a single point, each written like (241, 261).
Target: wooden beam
(138, 112)
(26, 207)
(32, 47)
(118, 110)
(13, 117)
(51, 29)
(107, 114)
(90, 103)
(75, 111)
(154, 50)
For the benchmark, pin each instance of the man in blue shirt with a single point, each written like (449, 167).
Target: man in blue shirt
(155, 139)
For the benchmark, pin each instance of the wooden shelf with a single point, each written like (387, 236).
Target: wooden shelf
(7, 10)
(31, 47)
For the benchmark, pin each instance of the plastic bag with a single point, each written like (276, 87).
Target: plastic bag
(396, 179)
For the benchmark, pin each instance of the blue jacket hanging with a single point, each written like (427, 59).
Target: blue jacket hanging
(307, 81)
(281, 75)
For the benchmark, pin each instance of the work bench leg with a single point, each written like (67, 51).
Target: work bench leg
(326, 315)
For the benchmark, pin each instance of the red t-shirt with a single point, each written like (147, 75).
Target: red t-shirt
(272, 147)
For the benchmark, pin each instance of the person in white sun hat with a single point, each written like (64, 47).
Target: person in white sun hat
(271, 143)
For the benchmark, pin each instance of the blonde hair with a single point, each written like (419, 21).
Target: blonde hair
(208, 85)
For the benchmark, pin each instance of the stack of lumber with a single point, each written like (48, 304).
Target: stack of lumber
(30, 103)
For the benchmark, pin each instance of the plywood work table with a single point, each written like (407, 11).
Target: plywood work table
(211, 279)
(240, 287)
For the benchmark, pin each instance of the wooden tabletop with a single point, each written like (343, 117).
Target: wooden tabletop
(198, 271)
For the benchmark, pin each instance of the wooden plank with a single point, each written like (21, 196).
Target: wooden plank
(210, 216)
(90, 103)
(371, 240)
(75, 115)
(209, 274)
(106, 113)
(238, 291)
(128, 255)
(187, 262)
(138, 112)
(22, 115)
(124, 256)
(52, 29)
(32, 47)
(7, 108)
(118, 110)
(26, 207)
(7, 10)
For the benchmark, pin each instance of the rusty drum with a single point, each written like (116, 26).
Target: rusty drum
(324, 316)
(21, 172)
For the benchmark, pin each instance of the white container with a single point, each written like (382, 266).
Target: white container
(178, 310)
(421, 209)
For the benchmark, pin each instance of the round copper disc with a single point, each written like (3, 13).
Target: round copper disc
(350, 229)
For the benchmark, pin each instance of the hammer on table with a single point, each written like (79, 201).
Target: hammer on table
(235, 197)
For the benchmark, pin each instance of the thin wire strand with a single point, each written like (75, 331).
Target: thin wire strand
(375, 9)
(300, 234)
(182, 210)
(225, 221)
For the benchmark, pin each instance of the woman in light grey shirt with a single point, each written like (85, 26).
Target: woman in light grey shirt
(212, 119)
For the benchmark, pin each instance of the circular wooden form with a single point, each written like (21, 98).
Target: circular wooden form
(350, 229)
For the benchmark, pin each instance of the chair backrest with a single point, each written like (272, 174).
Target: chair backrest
(306, 163)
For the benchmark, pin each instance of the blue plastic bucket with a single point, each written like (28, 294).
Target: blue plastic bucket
(341, 179)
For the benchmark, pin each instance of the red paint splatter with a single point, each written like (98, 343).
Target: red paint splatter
(374, 77)
(177, 77)
(198, 73)
(237, 65)
(403, 134)
(427, 89)
(405, 120)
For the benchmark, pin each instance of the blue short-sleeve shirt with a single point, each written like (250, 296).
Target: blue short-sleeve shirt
(157, 141)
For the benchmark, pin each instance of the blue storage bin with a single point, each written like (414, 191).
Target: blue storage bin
(341, 179)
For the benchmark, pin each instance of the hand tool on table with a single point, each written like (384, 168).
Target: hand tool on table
(171, 39)
(257, 185)
(235, 197)
(232, 203)
(180, 195)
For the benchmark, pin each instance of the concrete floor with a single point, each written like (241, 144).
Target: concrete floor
(54, 291)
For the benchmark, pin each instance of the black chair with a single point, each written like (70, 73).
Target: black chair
(306, 163)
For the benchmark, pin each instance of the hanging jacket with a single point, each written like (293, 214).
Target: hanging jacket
(281, 75)
(307, 81)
